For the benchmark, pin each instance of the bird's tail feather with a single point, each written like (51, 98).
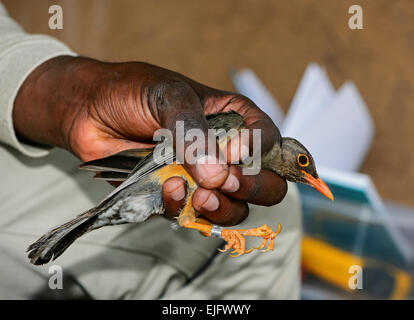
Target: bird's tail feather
(53, 243)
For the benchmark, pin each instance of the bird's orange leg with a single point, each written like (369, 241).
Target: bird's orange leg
(264, 232)
(234, 237)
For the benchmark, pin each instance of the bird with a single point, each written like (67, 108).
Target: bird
(139, 196)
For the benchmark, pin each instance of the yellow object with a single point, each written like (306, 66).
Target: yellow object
(333, 265)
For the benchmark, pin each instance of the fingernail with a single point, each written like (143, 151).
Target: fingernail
(212, 203)
(239, 149)
(232, 184)
(244, 151)
(209, 169)
(176, 193)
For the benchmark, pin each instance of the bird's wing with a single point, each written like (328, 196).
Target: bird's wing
(144, 168)
(122, 162)
(111, 176)
(133, 165)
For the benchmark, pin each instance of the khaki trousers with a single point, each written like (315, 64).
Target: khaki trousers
(142, 261)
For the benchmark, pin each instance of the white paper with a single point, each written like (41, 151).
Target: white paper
(335, 127)
(341, 135)
(313, 96)
(247, 83)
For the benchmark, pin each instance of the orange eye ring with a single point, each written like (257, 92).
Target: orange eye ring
(303, 160)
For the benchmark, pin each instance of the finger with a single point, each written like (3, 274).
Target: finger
(265, 188)
(98, 148)
(181, 112)
(218, 208)
(174, 191)
(254, 118)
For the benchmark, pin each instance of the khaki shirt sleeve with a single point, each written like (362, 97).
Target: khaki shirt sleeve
(20, 54)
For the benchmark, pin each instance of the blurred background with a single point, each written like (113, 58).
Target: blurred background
(277, 40)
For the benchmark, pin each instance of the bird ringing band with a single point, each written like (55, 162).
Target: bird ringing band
(216, 231)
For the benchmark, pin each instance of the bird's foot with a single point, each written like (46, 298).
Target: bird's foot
(235, 239)
(268, 236)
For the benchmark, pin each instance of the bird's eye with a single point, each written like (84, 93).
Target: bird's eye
(303, 160)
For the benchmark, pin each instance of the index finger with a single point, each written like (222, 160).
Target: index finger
(254, 118)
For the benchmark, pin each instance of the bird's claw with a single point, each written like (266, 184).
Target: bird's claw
(236, 241)
(268, 236)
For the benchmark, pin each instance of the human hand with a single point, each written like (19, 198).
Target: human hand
(95, 109)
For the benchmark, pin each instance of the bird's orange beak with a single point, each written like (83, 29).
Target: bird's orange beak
(319, 185)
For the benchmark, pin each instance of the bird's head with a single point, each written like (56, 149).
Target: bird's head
(298, 166)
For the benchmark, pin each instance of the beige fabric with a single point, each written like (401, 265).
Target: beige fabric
(144, 261)
(20, 54)
(148, 260)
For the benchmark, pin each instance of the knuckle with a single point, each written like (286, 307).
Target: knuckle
(279, 193)
(226, 215)
(234, 213)
(238, 98)
(164, 92)
(253, 188)
(243, 213)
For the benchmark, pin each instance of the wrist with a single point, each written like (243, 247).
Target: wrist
(49, 99)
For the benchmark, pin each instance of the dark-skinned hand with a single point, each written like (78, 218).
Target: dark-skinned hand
(95, 109)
